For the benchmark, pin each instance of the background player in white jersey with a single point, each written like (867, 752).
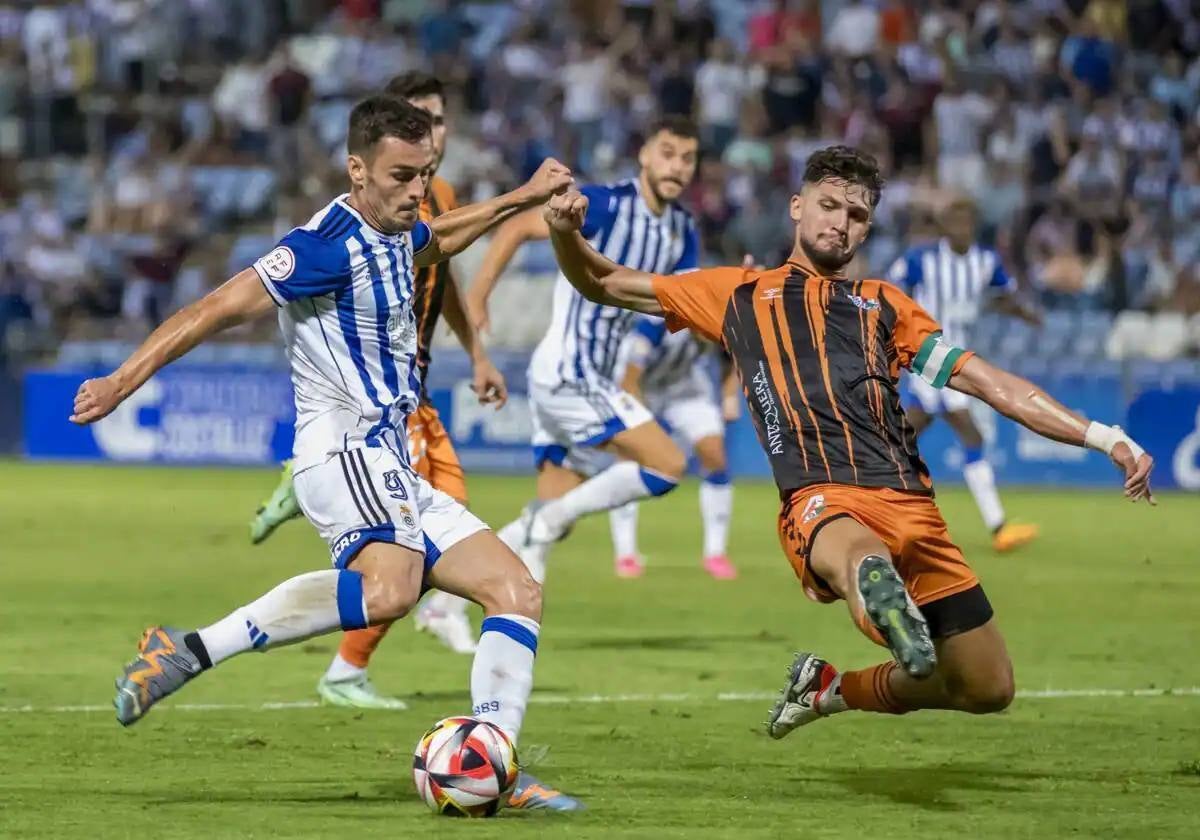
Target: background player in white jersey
(581, 416)
(668, 373)
(343, 285)
(954, 279)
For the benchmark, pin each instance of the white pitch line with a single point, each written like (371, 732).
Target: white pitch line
(597, 699)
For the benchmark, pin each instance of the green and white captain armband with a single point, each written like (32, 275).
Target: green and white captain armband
(935, 360)
(1104, 438)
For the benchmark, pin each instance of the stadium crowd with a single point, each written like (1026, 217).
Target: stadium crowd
(150, 148)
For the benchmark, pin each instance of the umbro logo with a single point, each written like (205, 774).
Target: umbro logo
(773, 293)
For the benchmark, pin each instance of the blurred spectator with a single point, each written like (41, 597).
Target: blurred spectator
(722, 87)
(854, 31)
(241, 102)
(959, 117)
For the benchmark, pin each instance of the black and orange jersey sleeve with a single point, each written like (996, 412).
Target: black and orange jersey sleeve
(443, 195)
(697, 300)
(920, 346)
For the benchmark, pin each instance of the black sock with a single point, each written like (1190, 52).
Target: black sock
(196, 646)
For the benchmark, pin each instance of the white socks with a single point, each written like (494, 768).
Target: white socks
(623, 523)
(982, 483)
(716, 508)
(502, 674)
(297, 609)
(342, 671)
(623, 482)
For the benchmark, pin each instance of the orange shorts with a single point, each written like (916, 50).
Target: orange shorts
(432, 453)
(930, 564)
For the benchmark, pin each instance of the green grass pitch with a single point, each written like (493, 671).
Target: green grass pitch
(1106, 599)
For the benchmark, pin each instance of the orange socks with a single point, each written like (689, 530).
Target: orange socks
(358, 645)
(868, 690)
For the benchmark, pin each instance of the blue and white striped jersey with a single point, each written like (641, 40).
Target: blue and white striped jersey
(584, 339)
(345, 295)
(665, 357)
(951, 287)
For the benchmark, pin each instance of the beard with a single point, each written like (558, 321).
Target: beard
(827, 260)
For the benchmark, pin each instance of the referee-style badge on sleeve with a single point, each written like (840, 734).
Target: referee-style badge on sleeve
(279, 264)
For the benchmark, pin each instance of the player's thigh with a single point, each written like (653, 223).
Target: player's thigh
(836, 549)
(392, 579)
(483, 569)
(959, 418)
(649, 445)
(976, 669)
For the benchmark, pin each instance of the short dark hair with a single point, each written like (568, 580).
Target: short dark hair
(416, 84)
(676, 124)
(385, 116)
(847, 164)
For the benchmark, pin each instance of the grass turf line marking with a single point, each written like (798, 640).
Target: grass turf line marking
(595, 699)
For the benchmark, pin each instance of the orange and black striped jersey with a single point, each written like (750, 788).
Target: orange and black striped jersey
(819, 360)
(429, 287)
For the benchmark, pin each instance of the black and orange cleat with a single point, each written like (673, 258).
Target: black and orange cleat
(163, 665)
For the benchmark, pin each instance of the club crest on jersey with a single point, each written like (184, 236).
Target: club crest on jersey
(773, 293)
(813, 508)
(406, 516)
(394, 484)
(864, 303)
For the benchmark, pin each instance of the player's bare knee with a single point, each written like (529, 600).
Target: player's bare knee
(514, 594)
(389, 597)
(711, 454)
(669, 462)
(983, 693)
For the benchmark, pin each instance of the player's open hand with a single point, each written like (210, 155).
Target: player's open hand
(551, 178)
(488, 384)
(95, 399)
(565, 213)
(1137, 473)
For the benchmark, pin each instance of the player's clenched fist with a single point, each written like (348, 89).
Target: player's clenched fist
(565, 212)
(95, 399)
(551, 178)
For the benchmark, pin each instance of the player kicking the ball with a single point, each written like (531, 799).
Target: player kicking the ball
(819, 356)
(346, 681)
(343, 285)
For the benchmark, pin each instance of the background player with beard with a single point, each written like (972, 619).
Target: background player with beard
(581, 413)
(858, 520)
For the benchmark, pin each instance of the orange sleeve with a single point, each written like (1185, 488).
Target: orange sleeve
(443, 194)
(697, 299)
(919, 343)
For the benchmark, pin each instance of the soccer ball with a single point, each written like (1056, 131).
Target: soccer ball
(464, 767)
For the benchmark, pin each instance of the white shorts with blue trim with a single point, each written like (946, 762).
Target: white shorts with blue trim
(936, 400)
(367, 495)
(688, 407)
(570, 419)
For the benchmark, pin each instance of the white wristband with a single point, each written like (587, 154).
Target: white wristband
(1104, 438)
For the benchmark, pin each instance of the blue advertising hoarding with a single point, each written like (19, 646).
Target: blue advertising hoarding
(209, 415)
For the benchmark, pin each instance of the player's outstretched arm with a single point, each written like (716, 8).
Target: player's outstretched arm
(487, 382)
(240, 299)
(597, 278)
(1024, 402)
(457, 229)
(510, 236)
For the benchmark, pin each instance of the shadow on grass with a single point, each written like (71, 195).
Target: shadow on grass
(691, 642)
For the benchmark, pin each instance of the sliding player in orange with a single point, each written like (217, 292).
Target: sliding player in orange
(819, 356)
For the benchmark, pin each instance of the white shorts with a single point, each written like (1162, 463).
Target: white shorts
(367, 495)
(937, 401)
(688, 407)
(576, 417)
